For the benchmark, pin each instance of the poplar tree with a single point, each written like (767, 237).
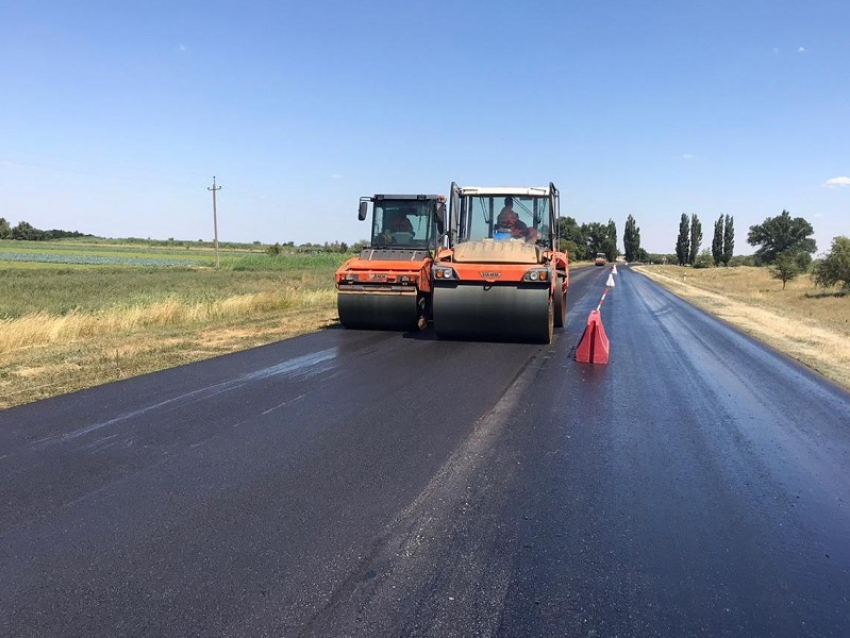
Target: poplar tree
(728, 240)
(610, 248)
(631, 239)
(683, 243)
(696, 239)
(717, 242)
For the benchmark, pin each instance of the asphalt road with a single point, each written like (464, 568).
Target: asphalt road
(356, 483)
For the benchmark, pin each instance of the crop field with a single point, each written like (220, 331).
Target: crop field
(76, 316)
(76, 252)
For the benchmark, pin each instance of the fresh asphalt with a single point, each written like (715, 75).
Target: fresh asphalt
(359, 483)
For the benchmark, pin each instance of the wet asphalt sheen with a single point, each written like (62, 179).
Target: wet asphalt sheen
(359, 483)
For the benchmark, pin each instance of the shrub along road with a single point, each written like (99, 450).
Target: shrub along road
(367, 483)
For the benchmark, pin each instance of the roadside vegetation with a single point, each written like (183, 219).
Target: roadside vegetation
(68, 326)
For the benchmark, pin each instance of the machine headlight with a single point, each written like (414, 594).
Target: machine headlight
(444, 272)
(538, 274)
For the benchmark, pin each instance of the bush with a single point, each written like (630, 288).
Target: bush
(568, 246)
(742, 260)
(835, 267)
(786, 266)
(704, 260)
(804, 261)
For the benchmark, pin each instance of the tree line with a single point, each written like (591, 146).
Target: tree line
(583, 241)
(27, 232)
(784, 244)
(690, 238)
(24, 231)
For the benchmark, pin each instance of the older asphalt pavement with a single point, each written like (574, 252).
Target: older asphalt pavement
(356, 483)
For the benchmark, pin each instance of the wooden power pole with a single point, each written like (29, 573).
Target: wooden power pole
(215, 188)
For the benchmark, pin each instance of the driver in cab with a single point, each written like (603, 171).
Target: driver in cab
(509, 222)
(398, 223)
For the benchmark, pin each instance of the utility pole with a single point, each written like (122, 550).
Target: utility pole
(215, 188)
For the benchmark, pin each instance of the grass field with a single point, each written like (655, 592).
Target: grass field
(66, 326)
(810, 324)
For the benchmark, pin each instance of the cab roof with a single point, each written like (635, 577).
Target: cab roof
(380, 196)
(519, 191)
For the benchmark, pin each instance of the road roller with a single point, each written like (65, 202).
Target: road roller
(500, 277)
(388, 285)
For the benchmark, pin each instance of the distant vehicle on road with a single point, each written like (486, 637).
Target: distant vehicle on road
(601, 260)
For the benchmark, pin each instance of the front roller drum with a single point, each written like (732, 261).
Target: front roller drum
(503, 313)
(378, 311)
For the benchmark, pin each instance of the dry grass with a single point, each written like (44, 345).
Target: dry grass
(58, 365)
(44, 354)
(42, 328)
(809, 324)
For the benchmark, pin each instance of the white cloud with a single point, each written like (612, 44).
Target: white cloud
(801, 50)
(182, 47)
(836, 182)
(6, 163)
(336, 176)
(687, 156)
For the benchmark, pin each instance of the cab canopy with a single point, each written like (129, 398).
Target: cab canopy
(403, 221)
(479, 213)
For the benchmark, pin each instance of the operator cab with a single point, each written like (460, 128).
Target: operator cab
(504, 214)
(405, 221)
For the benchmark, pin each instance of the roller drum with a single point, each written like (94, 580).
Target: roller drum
(378, 311)
(560, 303)
(499, 312)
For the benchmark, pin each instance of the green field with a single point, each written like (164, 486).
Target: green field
(61, 277)
(78, 252)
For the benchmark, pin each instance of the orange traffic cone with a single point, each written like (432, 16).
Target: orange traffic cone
(594, 345)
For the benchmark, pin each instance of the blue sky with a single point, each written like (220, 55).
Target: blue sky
(115, 115)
